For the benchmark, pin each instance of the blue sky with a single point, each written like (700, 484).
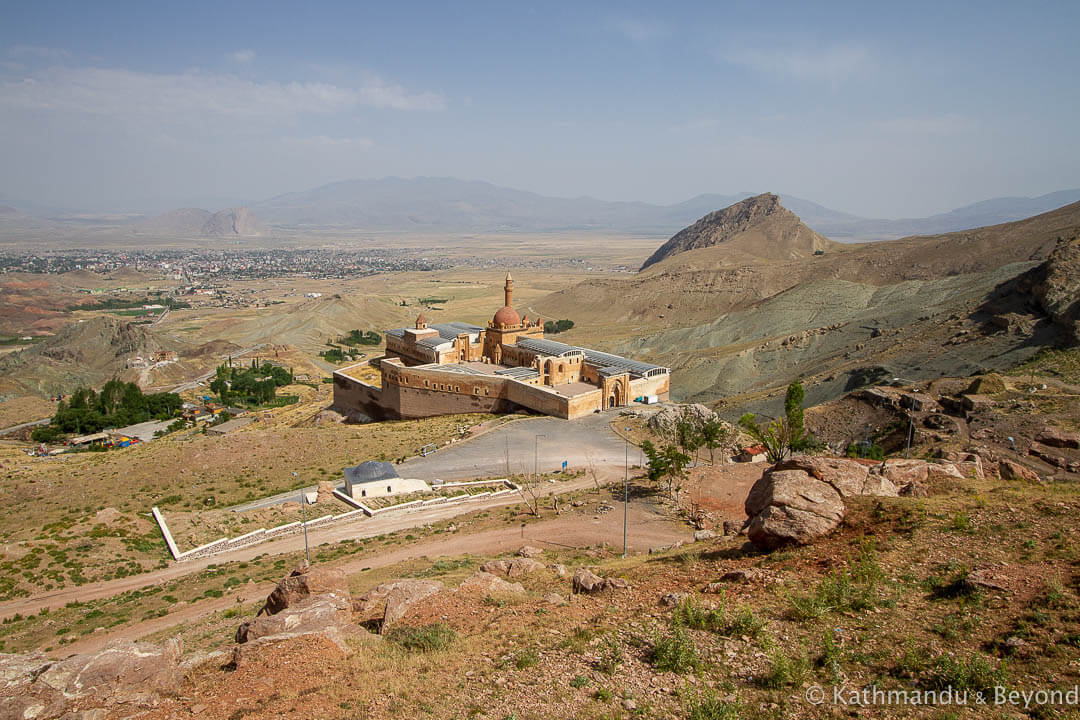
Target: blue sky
(885, 110)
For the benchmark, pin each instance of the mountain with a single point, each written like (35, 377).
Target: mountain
(448, 204)
(238, 222)
(737, 321)
(758, 226)
(185, 221)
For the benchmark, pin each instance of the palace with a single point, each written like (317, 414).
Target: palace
(456, 367)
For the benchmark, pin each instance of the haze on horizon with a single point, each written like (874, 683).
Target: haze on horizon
(881, 111)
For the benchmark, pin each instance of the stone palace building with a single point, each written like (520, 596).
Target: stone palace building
(455, 367)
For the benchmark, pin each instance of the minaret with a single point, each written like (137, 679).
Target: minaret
(508, 290)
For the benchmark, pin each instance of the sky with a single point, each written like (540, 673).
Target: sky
(877, 109)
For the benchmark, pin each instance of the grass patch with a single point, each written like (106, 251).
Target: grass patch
(674, 652)
(425, 638)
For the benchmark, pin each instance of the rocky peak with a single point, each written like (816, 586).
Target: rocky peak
(234, 221)
(722, 225)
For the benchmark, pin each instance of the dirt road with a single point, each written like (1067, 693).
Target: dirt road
(647, 528)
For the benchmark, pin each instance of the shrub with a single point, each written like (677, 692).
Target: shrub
(426, 638)
(526, 659)
(675, 652)
(610, 655)
(579, 681)
(975, 672)
(785, 670)
(708, 706)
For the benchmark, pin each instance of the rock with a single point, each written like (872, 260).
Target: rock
(1054, 437)
(742, 575)
(304, 582)
(976, 403)
(848, 477)
(325, 493)
(328, 416)
(989, 384)
(971, 468)
(554, 599)
(523, 566)
(714, 588)
(701, 535)
(790, 506)
(1059, 285)
(560, 570)
(331, 636)
(387, 603)
(943, 471)
(312, 615)
(485, 582)
(34, 687)
(1045, 453)
(528, 551)
(496, 567)
(673, 598)
(732, 527)
(902, 473)
(1014, 471)
(587, 582)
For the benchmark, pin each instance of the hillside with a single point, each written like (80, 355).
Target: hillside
(185, 221)
(915, 307)
(238, 222)
(757, 227)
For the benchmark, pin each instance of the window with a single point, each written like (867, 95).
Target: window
(389, 489)
(363, 493)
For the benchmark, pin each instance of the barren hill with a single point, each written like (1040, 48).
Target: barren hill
(914, 307)
(757, 227)
(234, 221)
(185, 221)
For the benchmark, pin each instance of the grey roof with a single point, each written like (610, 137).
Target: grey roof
(451, 330)
(519, 373)
(546, 347)
(396, 332)
(610, 370)
(462, 369)
(433, 342)
(611, 364)
(370, 471)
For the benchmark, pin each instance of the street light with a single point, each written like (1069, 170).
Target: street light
(536, 462)
(626, 486)
(303, 513)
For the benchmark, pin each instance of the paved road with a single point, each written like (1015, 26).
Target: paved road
(33, 423)
(578, 442)
(191, 385)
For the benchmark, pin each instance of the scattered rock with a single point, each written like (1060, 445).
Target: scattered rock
(588, 582)
(732, 527)
(714, 588)
(701, 535)
(485, 582)
(1014, 471)
(1045, 453)
(560, 570)
(790, 506)
(742, 575)
(848, 477)
(315, 614)
(555, 599)
(528, 551)
(673, 598)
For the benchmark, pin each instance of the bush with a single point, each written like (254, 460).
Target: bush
(610, 655)
(708, 706)
(785, 670)
(675, 652)
(975, 672)
(426, 638)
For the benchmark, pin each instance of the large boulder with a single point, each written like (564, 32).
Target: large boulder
(1059, 285)
(485, 582)
(31, 686)
(1056, 437)
(847, 477)
(302, 583)
(388, 602)
(1012, 470)
(790, 506)
(318, 614)
(586, 581)
(902, 473)
(1047, 454)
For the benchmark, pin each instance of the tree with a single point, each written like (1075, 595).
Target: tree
(715, 434)
(793, 408)
(776, 436)
(668, 462)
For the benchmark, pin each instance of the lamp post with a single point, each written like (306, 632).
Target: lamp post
(626, 486)
(303, 514)
(536, 456)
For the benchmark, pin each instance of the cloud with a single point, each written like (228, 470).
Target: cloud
(38, 52)
(244, 57)
(324, 142)
(830, 64)
(638, 30)
(946, 124)
(122, 93)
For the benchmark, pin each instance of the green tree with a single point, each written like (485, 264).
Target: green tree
(775, 437)
(793, 408)
(715, 434)
(667, 463)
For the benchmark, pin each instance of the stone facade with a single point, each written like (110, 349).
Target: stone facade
(508, 366)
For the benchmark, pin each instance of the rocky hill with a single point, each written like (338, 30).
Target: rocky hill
(240, 222)
(83, 353)
(758, 227)
(185, 221)
(739, 326)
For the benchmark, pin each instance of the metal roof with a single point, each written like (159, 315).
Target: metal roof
(610, 364)
(451, 330)
(396, 332)
(610, 370)
(370, 471)
(519, 373)
(461, 369)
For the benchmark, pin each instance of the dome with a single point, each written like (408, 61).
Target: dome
(506, 316)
